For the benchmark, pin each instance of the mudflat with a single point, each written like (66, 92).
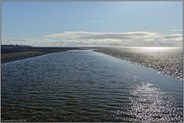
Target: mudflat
(12, 53)
(167, 60)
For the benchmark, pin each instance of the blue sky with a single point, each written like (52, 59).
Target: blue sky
(40, 21)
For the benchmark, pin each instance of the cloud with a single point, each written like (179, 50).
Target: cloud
(32, 42)
(174, 37)
(176, 30)
(81, 38)
(102, 35)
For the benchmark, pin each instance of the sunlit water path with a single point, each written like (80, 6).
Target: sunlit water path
(87, 86)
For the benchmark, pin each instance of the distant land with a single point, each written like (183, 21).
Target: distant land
(167, 60)
(17, 52)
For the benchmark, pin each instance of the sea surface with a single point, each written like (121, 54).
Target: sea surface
(83, 85)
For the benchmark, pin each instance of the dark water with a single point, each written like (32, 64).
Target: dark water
(87, 86)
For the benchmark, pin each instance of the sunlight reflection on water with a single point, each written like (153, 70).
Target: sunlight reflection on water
(150, 104)
(153, 49)
(87, 86)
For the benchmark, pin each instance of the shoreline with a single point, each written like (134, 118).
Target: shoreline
(168, 62)
(13, 54)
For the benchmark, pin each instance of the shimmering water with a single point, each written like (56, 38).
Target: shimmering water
(167, 60)
(87, 86)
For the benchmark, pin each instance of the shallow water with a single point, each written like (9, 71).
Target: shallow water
(87, 86)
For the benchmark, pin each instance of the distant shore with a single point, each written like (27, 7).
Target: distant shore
(11, 53)
(168, 61)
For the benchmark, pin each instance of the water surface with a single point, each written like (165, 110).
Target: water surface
(83, 85)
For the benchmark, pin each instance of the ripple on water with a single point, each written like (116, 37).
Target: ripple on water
(150, 104)
(86, 86)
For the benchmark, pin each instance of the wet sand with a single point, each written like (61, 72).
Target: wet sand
(166, 60)
(9, 54)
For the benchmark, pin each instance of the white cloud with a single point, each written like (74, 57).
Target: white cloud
(102, 35)
(176, 30)
(173, 37)
(81, 38)
(32, 41)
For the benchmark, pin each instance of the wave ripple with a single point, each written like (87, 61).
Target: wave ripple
(150, 104)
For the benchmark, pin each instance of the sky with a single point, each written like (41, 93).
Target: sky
(92, 23)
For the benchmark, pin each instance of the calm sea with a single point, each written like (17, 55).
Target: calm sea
(83, 85)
